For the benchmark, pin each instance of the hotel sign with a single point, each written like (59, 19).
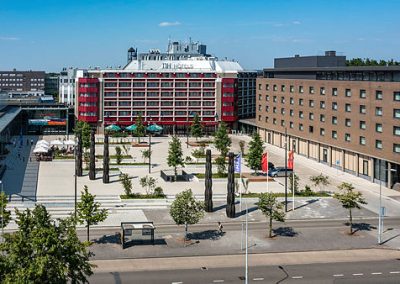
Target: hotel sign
(177, 66)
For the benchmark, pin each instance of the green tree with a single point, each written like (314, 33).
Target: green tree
(186, 210)
(140, 129)
(350, 199)
(221, 166)
(296, 182)
(126, 183)
(118, 154)
(271, 208)
(83, 128)
(221, 140)
(89, 212)
(196, 129)
(146, 154)
(175, 155)
(149, 183)
(256, 150)
(242, 144)
(320, 181)
(43, 251)
(5, 215)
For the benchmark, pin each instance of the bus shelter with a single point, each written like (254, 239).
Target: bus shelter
(136, 231)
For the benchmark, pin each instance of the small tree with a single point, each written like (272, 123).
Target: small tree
(83, 128)
(146, 154)
(126, 149)
(296, 182)
(5, 215)
(175, 155)
(118, 154)
(89, 212)
(140, 129)
(43, 251)
(126, 183)
(196, 129)
(186, 210)
(242, 144)
(320, 181)
(271, 208)
(221, 140)
(221, 165)
(149, 183)
(350, 199)
(255, 152)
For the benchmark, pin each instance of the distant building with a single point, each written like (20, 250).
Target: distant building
(51, 84)
(66, 92)
(345, 117)
(22, 83)
(167, 89)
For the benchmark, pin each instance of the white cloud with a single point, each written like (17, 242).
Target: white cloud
(296, 23)
(169, 24)
(7, 38)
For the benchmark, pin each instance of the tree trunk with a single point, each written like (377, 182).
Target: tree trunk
(175, 174)
(230, 206)
(186, 230)
(106, 161)
(270, 226)
(87, 231)
(351, 222)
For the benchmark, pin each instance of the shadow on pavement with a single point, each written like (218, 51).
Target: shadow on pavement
(285, 232)
(361, 227)
(388, 240)
(243, 212)
(206, 235)
(109, 239)
(308, 202)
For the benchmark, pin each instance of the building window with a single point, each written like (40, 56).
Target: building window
(291, 112)
(311, 90)
(311, 129)
(301, 115)
(396, 96)
(291, 101)
(322, 91)
(259, 107)
(274, 109)
(259, 87)
(378, 111)
(291, 89)
(301, 102)
(396, 130)
(362, 140)
(311, 116)
(363, 94)
(282, 88)
(396, 113)
(334, 134)
(301, 127)
(322, 104)
(322, 117)
(274, 99)
(378, 144)
(282, 111)
(259, 97)
(266, 119)
(267, 108)
(311, 103)
(334, 92)
(259, 117)
(267, 98)
(322, 131)
(378, 95)
(282, 123)
(396, 148)
(275, 88)
(282, 100)
(291, 125)
(334, 106)
(378, 127)
(274, 121)
(363, 109)
(347, 137)
(347, 122)
(347, 93)
(267, 87)
(301, 89)
(334, 120)
(348, 107)
(363, 125)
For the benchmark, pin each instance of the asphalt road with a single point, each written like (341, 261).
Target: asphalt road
(338, 273)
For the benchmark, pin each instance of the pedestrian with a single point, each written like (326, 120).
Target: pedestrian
(220, 227)
(23, 159)
(31, 142)
(30, 159)
(19, 155)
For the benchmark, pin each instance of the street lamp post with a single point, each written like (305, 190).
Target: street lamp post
(286, 201)
(149, 147)
(216, 122)
(2, 212)
(293, 175)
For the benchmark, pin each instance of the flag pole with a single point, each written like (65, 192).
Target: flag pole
(267, 173)
(240, 180)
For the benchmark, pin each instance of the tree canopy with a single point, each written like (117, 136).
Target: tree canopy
(140, 128)
(83, 128)
(5, 215)
(196, 129)
(175, 154)
(221, 140)
(43, 251)
(255, 152)
(371, 62)
(271, 208)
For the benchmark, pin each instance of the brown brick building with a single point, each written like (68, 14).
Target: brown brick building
(346, 117)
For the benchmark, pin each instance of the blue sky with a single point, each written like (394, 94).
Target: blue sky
(49, 35)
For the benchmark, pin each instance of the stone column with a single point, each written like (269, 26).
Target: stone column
(389, 173)
(343, 160)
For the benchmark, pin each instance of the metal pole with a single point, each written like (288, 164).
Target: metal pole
(247, 254)
(286, 201)
(149, 152)
(267, 172)
(2, 212)
(75, 177)
(380, 206)
(240, 180)
(293, 179)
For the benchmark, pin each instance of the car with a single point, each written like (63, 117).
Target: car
(270, 166)
(280, 172)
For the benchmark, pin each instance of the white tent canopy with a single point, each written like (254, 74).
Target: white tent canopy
(40, 150)
(69, 142)
(56, 143)
(43, 142)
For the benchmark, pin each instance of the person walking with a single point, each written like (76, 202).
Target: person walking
(220, 227)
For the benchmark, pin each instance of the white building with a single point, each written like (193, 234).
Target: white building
(67, 85)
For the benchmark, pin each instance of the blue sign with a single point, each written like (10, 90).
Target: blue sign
(238, 163)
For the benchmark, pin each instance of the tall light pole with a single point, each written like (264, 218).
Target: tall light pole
(286, 201)
(75, 174)
(216, 122)
(2, 211)
(149, 147)
(247, 246)
(293, 175)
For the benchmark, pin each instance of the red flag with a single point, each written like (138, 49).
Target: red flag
(264, 162)
(291, 160)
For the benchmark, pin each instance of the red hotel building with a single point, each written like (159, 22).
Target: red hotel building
(167, 89)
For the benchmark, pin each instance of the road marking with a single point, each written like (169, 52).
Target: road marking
(394, 272)
(297, 277)
(218, 281)
(338, 275)
(376, 273)
(258, 279)
(176, 282)
(358, 274)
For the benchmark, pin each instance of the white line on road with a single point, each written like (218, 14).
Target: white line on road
(394, 272)
(376, 273)
(297, 277)
(176, 282)
(338, 275)
(218, 281)
(258, 279)
(358, 274)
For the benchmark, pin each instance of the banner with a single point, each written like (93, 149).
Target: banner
(238, 163)
(291, 160)
(264, 163)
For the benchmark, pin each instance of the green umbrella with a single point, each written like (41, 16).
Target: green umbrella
(154, 128)
(113, 127)
(131, 127)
